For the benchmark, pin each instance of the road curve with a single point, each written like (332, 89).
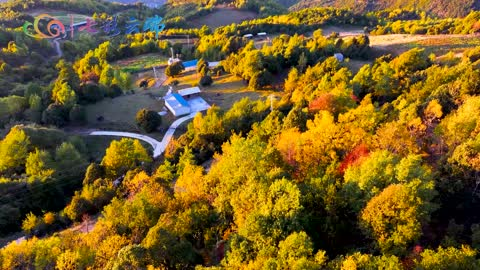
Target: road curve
(158, 147)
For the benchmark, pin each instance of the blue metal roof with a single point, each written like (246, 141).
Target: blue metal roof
(180, 99)
(192, 63)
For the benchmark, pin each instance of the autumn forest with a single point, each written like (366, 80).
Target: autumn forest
(344, 139)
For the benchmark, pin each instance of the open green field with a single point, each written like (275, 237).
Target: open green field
(138, 63)
(119, 113)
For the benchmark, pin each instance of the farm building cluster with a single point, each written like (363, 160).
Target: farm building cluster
(186, 101)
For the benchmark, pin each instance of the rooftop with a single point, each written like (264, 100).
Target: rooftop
(189, 91)
(176, 100)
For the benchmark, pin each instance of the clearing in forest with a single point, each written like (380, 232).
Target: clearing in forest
(141, 62)
(61, 15)
(224, 16)
(224, 92)
(437, 44)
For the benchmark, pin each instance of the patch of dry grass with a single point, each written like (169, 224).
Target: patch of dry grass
(119, 113)
(438, 44)
(224, 16)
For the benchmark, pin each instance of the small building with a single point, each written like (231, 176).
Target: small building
(189, 92)
(339, 57)
(190, 65)
(248, 36)
(213, 64)
(176, 104)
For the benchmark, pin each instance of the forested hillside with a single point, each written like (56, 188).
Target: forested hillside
(442, 8)
(323, 148)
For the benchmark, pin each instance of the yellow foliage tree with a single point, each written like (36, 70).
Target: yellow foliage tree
(124, 155)
(14, 149)
(191, 185)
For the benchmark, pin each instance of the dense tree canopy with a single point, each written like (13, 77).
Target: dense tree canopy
(363, 160)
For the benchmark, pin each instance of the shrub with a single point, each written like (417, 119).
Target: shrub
(218, 70)
(56, 115)
(78, 207)
(94, 172)
(202, 66)
(114, 91)
(174, 69)
(91, 92)
(78, 114)
(206, 80)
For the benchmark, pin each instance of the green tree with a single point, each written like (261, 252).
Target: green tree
(292, 80)
(77, 207)
(448, 258)
(202, 65)
(363, 83)
(174, 69)
(369, 177)
(67, 74)
(277, 213)
(124, 155)
(55, 114)
(69, 260)
(67, 157)
(394, 218)
(63, 94)
(39, 164)
(302, 63)
(78, 114)
(94, 172)
(107, 76)
(14, 149)
(411, 61)
(432, 112)
(167, 250)
(33, 89)
(366, 261)
(296, 252)
(205, 81)
(148, 120)
(296, 118)
(131, 257)
(30, 224)
(459, 125)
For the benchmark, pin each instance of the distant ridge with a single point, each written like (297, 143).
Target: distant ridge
(441, 8)
(150, 3)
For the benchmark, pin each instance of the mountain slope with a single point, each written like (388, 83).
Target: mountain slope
(442, 8)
